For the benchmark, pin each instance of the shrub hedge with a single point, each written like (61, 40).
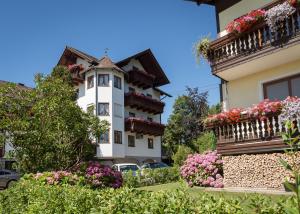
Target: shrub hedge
(33, 197)
(147, 177)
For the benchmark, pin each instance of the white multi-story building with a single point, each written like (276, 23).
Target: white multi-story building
(126, 95)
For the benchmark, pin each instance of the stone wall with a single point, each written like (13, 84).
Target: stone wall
(256, 171)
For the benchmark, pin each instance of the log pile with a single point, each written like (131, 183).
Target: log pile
(256, 171)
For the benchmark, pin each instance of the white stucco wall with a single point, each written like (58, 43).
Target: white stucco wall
(141, 146)
(246, 91)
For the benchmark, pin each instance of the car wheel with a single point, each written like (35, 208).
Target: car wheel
(11, 184)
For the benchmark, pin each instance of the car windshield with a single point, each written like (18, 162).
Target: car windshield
(124, 168)
(157, 165)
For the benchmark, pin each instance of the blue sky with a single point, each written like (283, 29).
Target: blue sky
(34, 34)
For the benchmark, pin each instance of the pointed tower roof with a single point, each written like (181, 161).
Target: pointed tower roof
(106, 62)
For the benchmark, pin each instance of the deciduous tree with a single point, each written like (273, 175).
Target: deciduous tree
(45, 126)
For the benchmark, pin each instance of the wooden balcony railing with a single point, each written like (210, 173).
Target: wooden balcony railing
(76, 74)
(138, 125)
(234, 49)
(144, 103)
(251, 135)
(140, 78)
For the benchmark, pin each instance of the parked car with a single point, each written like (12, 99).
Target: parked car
(8, 178)
(125, 167)
(154, 165)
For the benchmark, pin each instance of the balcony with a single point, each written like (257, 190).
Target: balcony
(140, 78)
(236, 55)
(76, 73)
(144, 103)
(138, 125)
(250, 136)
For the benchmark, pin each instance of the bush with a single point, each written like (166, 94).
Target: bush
(206, 142)
(101, 176)
(180, 156)
(148, 177)
(91, 174)
(55, 178)
(203, 170)
(34, 197)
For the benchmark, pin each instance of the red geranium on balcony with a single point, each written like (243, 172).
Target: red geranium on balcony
(244, 23)
(74, 67)
(264, 108)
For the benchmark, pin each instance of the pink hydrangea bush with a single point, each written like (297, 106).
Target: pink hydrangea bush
(100, 176)
(203, 170)
(56, 178)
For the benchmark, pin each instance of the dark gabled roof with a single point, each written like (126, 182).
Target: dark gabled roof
(150, 64)
(72, 51)
(106, 62)
(162, 92)
(210, 2)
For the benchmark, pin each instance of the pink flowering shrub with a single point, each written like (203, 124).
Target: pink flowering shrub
(56, 178)
(100, 176)
(203, 170)
(91, 174)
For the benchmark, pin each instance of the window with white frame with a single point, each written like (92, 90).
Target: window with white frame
(103, 109)
(103, 80)
(104, 138)
(90, 82)
(282, 88)
(118, 137)
(131, 141)
(117, 82)
(150, 143)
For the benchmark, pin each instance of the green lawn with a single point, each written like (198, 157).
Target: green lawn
(198, 191)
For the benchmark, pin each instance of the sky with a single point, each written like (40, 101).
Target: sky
(34, 33)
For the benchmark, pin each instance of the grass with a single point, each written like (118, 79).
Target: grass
(196, 192)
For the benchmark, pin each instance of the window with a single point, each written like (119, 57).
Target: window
(150, 119)
(117, 82)
(90, 109)
(104, 138)
(131, 114)
(103, 109)
(131, 141)
(150, 143)
(118, 110)
(131, 90)
(118, 137)
(103, 80)
(90, 82)
(149, 95)
(139, 136)
(280, 89)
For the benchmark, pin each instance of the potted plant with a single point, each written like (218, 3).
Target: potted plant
(201, 48)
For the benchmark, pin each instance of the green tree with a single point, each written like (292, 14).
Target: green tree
(181, 155)
(215, 109)
(186, 121)
(46, 127)
(205, 142)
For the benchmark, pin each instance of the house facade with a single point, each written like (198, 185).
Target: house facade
(256, 64)
(126, 94)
